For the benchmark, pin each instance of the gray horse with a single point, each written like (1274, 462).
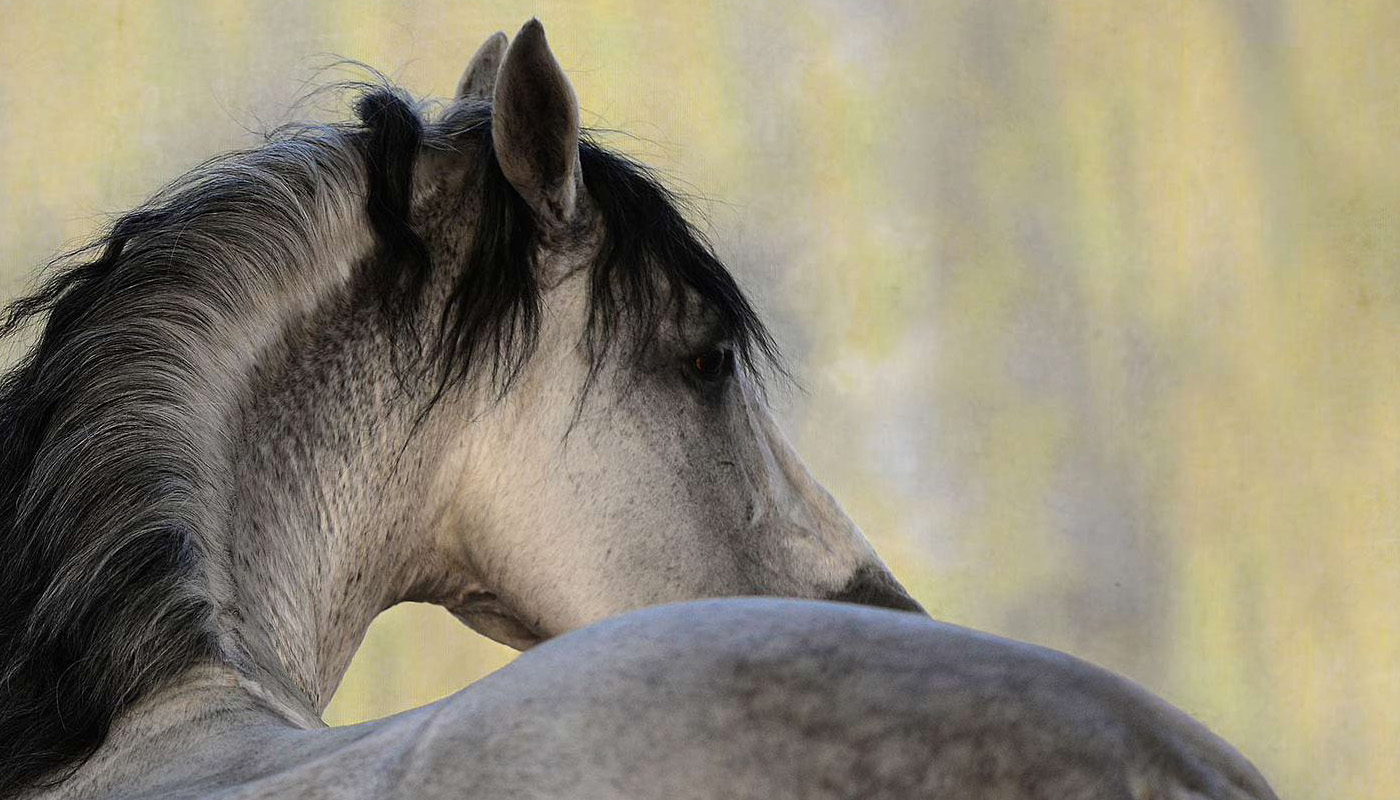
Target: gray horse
(481, 362)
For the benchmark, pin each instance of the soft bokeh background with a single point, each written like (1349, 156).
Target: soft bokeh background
(1096, 305)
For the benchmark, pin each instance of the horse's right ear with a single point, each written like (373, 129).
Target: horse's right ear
(535, 128)
(479, 80)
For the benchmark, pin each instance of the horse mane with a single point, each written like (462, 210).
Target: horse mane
(109, 467)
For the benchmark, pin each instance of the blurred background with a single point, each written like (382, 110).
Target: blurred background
(1095, 306)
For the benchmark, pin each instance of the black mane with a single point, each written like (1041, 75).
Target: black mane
(103, 570)
(652, 261)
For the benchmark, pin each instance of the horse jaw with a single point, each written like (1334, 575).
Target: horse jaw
(488, 615)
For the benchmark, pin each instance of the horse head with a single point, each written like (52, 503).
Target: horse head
(629, 457)
(476, 359)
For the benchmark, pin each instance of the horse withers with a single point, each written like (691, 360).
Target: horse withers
(480, 361)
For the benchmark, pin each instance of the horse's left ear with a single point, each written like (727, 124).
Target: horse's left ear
(479, 80)
(535, 128)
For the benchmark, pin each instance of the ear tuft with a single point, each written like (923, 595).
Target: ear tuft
(479, 80)
(535, 127)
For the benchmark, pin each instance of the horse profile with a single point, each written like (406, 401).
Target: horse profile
(481, 361)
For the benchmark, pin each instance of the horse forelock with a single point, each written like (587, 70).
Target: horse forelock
(115, 431)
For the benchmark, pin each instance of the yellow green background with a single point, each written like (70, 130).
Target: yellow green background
(1095, 305)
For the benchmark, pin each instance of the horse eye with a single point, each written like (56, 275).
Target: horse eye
(713, 365)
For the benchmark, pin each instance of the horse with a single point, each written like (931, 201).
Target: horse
(478, 360)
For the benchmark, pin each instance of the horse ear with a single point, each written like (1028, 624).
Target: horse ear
(535, 128)
(479, 81)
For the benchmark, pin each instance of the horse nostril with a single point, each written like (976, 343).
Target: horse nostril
(873, 585)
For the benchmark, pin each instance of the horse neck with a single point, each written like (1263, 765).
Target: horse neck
(327, 502)
(306, 462)
(328, 462)
(301, 488)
